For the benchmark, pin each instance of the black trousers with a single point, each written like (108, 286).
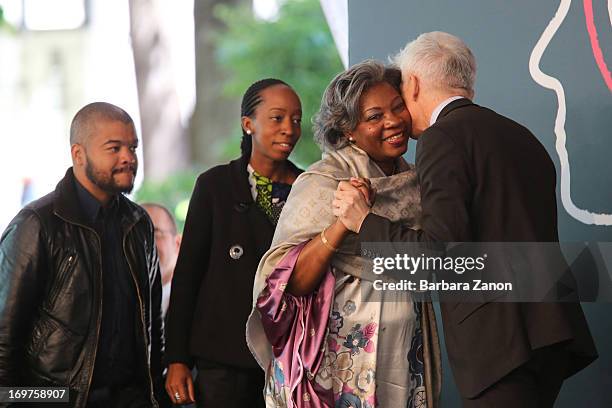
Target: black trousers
(536, 384)
(218, 385)
(132, 396)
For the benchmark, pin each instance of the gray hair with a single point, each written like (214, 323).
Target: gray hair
(340, 110)
(82, 123)
(441, 60)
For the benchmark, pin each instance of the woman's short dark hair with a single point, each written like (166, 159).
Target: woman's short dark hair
(250, 100)
(340, 110)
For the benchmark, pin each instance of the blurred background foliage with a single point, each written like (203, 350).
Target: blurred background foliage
(173, 193)
(297, 47)
(3, 23)
(5, 26)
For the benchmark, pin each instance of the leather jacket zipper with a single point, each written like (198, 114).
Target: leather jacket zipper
(64, 271)
(99, 319)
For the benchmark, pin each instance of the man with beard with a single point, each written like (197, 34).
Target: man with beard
(80, 299)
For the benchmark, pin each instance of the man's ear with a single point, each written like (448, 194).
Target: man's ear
(77, 152)
(177, 241)
(415, 87)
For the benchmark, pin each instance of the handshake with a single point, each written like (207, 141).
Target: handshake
(352, 202)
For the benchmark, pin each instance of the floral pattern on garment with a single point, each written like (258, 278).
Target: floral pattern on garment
(359, 338)
(335, 322)
(349, 367)
(348, 401)
(349, 307)
(345, 344)
(348, 371)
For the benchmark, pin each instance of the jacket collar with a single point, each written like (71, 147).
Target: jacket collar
(240, 179)
(459, 103)
(68, 206)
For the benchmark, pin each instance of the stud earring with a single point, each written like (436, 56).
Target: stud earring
(248, 132)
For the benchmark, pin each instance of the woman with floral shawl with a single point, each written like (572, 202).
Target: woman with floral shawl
(324, 336)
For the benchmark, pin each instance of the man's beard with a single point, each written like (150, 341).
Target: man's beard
(106, 182)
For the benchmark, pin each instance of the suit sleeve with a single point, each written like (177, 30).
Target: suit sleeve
(446, 193)
(21, 277)
(190, 268)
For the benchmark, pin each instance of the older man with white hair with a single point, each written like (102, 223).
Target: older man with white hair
(484, 178)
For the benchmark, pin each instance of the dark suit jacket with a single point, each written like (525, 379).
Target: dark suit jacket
(485, 178)
(211, 291)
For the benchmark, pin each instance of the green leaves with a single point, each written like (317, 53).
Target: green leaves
(173, 193)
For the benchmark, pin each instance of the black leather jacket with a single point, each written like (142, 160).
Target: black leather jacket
(51, 294)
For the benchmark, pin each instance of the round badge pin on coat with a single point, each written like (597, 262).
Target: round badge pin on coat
(236, 251)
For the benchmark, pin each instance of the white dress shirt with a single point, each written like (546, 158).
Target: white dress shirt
(436, 112)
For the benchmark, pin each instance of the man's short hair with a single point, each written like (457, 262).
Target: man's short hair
(441, 60)
(82, 123)
(173, 227)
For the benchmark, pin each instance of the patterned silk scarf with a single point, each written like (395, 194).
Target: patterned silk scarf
(307, 212)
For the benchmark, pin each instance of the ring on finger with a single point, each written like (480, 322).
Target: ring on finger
(177, 396)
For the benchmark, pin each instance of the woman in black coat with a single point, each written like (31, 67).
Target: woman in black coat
(232, 215)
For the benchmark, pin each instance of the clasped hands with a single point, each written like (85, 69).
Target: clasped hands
(352, 202)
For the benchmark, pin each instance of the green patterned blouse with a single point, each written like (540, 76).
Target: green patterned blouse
(270, 196)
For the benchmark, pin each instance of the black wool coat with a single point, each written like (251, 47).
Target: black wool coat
(212, 290)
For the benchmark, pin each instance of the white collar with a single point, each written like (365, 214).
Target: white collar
(438, 110)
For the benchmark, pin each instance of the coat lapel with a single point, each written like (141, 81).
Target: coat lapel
(259, 223)
(260, 228)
